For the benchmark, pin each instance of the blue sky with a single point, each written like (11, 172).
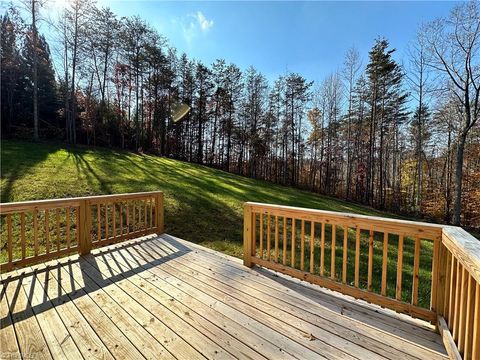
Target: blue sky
(310, 38)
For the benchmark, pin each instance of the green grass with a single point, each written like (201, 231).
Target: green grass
(202, 205)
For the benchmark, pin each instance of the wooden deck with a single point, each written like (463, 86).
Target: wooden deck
(162, 297)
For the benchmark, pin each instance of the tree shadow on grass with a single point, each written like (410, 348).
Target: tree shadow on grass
(17, 158)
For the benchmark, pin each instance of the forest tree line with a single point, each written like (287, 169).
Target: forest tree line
(399, 136)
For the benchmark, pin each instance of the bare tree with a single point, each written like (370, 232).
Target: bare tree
(352, 65)
(33, 8)
(453, 45)
(419, 80)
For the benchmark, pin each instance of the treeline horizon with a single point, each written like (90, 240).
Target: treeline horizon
(401, 138)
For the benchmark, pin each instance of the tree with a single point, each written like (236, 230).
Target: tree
(352, 65)
(453, 45)
(10, 71)
(419, 81)
(204, 87)
(387, 113)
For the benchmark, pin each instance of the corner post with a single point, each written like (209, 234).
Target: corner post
(247, 235)
(84, 227)
(159, 213)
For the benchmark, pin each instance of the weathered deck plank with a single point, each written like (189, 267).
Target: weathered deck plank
(162, 297)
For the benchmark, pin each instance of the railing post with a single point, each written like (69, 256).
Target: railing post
(159, 213)
(84, 226)
(441, 278)
(247, 235)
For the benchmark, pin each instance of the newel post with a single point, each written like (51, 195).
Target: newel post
(159, 213)
(247, 235)
(84, 227)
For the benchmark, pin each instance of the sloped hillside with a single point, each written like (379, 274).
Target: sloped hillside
(202, 205)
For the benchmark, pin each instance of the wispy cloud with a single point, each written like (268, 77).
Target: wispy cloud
(195, 24)
(204, 23)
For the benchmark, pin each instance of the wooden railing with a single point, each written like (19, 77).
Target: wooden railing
(459, 298)
(427, 271)
(35, 231)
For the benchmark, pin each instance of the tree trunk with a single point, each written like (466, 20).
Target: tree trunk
(458, 180)
(35, 72)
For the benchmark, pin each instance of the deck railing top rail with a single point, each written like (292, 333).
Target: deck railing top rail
(18, 206)
(430, 230)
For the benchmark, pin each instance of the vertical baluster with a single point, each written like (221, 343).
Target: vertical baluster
(276, 238)
(312, 246)
(370, 261)
(416, 267)
(268, 237)
(451, 295)
(261, 236)
(463, 308)
(254, 234)
(469, 317)
(302, 247)
(134, 220)
(9, 238)
(293, 243)
(436, 263)
(35, 231)
(284, 241)
(398, 289)
(22, 235)
(57, 220)
(333, 257)
(357, 257)
(99, 223)
(77, 226)
(106, 220)
(253, 222)
(476, 325)
(121, 219)
(47, 231)
(456, 310)
(128, 217)
(139, 217)
(114, 219)
(446, 303)
(145, 220)
(151, 213)
(322, 250)
(384, 264)
(67, 214)
(345, 253)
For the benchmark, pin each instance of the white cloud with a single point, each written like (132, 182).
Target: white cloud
(204, 23)
(194, 24)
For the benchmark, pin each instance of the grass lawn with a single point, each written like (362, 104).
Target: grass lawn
(202, 205)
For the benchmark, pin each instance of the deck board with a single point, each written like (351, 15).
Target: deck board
(162, 297)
